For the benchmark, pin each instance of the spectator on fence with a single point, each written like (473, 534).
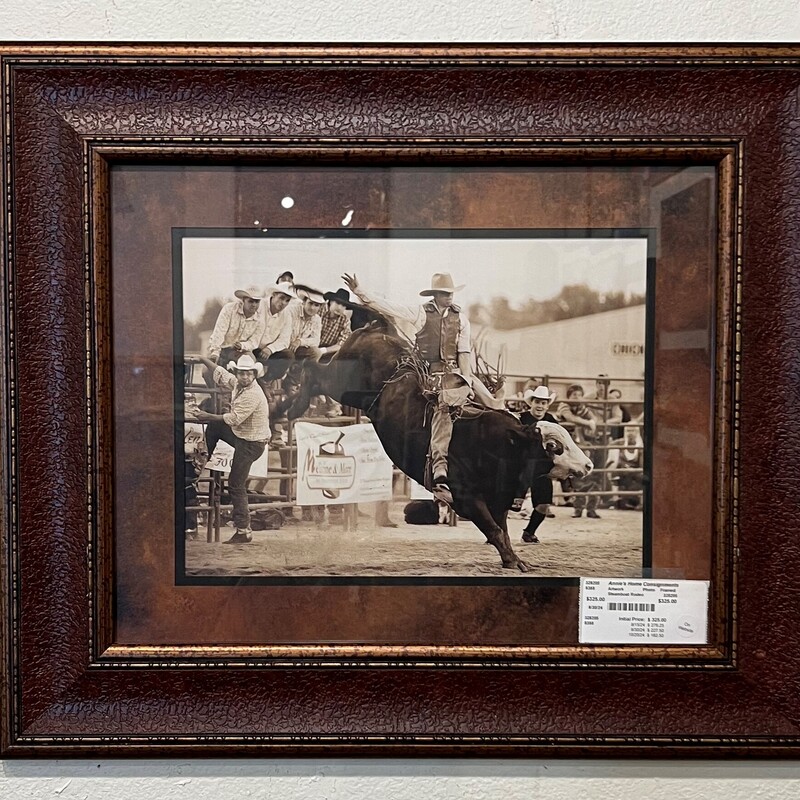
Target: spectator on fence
(627, 462)
(273, 351)
(335, 323)
(576, 413)
(335, 329)
(305, 327)
(245, 427)
(535, 474)
(306, 321)
(238, 329)
(600, 408)
(617, 415)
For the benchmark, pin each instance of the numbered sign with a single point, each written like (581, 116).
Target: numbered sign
(222, 458)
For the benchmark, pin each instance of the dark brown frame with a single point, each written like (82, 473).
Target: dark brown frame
(68, 689)
(152, 203)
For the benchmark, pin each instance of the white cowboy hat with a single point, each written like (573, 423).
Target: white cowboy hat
(539, 393)
(282, 288)
(441, 282)
(253, 293)
(307, 293)
(246, 362)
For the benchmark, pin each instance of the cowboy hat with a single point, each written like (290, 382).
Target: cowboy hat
(246, 362)
(539, 393)
(282, 288)
(341, 296)
(441, 282)
(348, 302)
(307, 293)
(253, 293)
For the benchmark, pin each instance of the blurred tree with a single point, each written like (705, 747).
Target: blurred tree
(205, 322)
(576, 300)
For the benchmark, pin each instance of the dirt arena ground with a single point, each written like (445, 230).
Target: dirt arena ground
(610, 546)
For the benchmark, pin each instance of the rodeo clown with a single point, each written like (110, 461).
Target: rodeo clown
(245, 427)
(441, 333)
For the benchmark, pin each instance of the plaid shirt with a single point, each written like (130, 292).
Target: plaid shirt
(335, 329)
(249, 414)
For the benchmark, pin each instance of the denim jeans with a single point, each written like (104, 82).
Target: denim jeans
(275, 365)
(244, 454)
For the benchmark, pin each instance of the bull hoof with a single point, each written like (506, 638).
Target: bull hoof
(518, 563)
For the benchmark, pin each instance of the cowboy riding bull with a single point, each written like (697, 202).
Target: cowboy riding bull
(478, 457)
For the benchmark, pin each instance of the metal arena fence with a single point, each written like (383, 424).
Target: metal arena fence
(277, 493)
(613, 416)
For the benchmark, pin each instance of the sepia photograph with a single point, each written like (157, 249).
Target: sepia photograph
(383, 404)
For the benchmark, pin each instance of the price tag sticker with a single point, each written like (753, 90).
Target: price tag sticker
(632, 611)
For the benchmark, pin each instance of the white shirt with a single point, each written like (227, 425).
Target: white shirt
(277, 329)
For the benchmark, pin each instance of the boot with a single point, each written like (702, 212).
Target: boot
(529, 534)
(577, 512)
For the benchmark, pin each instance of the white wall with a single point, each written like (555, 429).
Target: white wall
(406, 21)
(580, 347)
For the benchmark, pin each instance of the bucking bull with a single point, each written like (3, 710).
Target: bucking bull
(374, 371)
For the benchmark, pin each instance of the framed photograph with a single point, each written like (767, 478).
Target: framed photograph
(399, 401)
(337, 454)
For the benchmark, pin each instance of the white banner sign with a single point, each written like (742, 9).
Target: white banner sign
(340, 465)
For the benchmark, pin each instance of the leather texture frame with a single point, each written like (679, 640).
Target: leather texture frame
(70, 112)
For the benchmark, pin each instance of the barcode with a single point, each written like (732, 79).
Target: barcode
(631, 606)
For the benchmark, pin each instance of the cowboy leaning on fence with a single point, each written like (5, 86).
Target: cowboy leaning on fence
(577, 413)
(245, 427)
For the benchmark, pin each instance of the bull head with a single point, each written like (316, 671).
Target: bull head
(568, 459)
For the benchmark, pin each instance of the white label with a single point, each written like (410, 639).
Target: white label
(628, 611)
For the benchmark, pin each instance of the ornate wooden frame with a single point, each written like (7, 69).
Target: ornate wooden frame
(71, 110)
